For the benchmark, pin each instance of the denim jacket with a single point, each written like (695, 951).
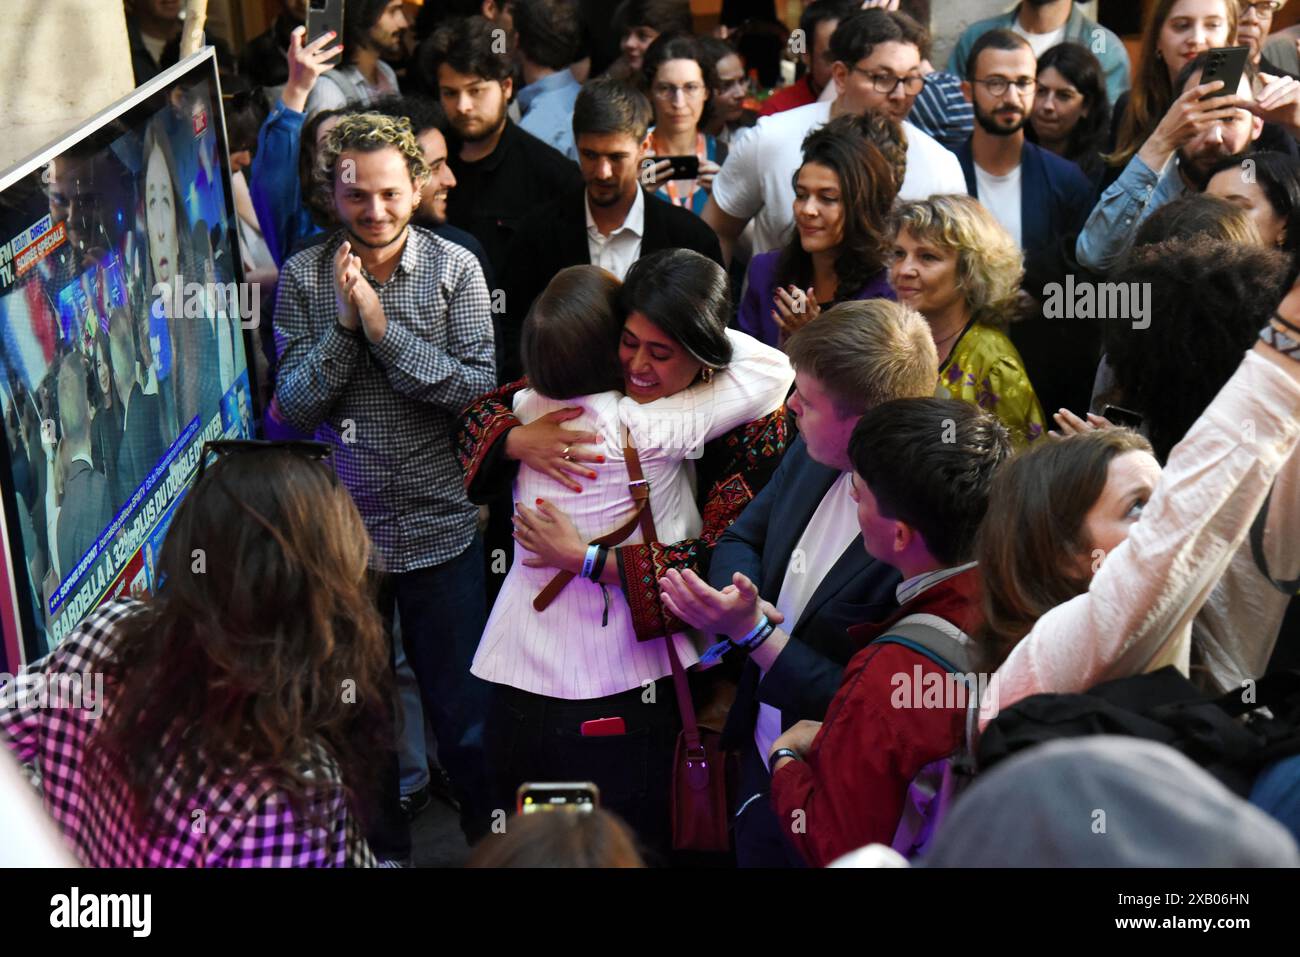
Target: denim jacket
(1136, 194)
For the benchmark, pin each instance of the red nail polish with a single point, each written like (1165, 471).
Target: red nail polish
(600, 459)
(539, 501)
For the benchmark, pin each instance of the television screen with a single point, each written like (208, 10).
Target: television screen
(122, 346)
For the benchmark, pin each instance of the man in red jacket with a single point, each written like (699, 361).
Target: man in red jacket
(922, 473)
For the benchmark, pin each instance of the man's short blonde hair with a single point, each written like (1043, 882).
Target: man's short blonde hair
(865, 352)
(369, 133)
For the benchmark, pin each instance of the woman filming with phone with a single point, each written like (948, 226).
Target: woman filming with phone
(680, 77)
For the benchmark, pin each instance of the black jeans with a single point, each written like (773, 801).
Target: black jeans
(443, 613)
(535, 738)
(760, 841)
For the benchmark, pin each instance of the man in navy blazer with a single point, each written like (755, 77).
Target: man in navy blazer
(1042, 199)
(799, 542)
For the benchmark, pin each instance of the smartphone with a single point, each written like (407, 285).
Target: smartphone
(1226, 64)
(322, 17)
(537, 796)
(1117, 415)
(684, 167)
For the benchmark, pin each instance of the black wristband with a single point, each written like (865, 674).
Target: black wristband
(602, 554)
(777, 755)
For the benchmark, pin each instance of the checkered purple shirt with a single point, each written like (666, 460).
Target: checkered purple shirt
(223, 823)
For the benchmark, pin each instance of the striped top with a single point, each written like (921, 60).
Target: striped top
(565, 651)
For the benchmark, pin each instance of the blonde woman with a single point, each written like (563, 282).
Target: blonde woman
(956, 265)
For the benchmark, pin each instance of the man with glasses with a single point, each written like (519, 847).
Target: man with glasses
(1276, 55)
(876, 68)
(1044, 24)
(1035, 194)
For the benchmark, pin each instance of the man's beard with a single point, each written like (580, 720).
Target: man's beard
(488, 133)
(614, 200)
(400, 232)
(990, 125)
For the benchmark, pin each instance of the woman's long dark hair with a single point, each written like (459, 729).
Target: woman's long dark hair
(261, 648)
(1084, 72)
(688, 296)
(1278, 175)
(868, 187)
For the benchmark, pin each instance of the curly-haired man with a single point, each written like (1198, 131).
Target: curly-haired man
(384, 334)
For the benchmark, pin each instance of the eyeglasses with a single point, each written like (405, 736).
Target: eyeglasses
(998, 85)
(888, 83)
(307, 448)
(668, 92)
(1263, 9)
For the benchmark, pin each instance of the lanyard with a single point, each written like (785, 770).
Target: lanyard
(670, 187)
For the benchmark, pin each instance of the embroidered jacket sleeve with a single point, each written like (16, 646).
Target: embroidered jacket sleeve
(733, 470)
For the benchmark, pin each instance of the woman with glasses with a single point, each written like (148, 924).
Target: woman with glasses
(241, 708)
(1071, 115)
(681, 79)
(730, 115)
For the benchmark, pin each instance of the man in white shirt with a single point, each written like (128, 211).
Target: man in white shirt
(799, 542)
(1037, 196)
(610, 222)
(877, 68)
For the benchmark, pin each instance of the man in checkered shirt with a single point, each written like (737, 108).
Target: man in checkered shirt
(384, 334)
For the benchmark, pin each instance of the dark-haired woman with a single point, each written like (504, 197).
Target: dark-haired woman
(1095, 561)
(219, 736)
(843, 194)
(1269, 190)
(1071, 115)
(577, 657)
(680, 79)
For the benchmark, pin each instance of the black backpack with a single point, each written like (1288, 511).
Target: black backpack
(1164, 706)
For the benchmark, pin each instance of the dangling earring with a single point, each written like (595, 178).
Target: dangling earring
(706, 375)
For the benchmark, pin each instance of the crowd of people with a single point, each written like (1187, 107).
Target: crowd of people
(613, 396)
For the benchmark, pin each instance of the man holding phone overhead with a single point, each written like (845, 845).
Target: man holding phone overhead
(1203, 126)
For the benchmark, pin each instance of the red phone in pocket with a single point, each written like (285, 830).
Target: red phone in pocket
(603, 727)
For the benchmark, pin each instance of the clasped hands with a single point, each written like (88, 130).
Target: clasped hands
(358, 303)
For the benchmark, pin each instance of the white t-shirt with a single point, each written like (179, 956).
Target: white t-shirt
(755, 182)
(1001, 197)
(1041, 42)
(832, 529)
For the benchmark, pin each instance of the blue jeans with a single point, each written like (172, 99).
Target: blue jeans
(443, 612)
(412, 753)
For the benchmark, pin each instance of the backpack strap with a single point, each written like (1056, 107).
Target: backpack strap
(931, 641)
(917, 634)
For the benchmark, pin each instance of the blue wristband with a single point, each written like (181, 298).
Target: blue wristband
(589, 561)
(751, 635)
